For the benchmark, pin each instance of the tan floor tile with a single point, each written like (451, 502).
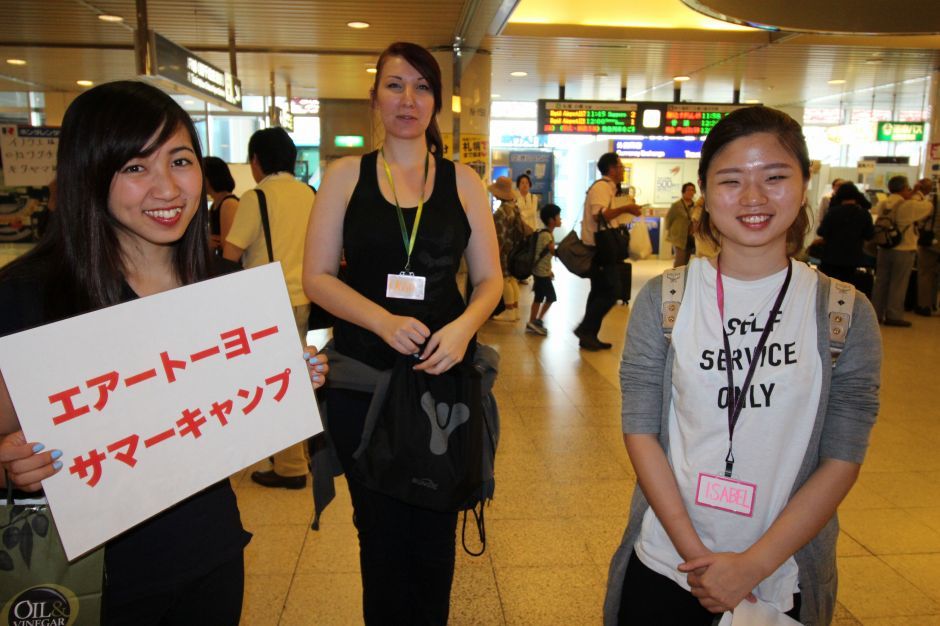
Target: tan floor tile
(889, 531)
(904, 489)
(909, 620)
(849, 547)
(323, 599)
(264, 598)
(261, 505)
(551, 595)
(602, 536)
(536, 542)
(597, 498)
(332, 549)
(274, 549)
(843, 617)
(863, 497)
(929, 517)
(474, 597)
(920, 569)
(869, 588)
(525, 500)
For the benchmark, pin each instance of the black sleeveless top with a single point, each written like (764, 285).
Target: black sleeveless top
(374, 249)
(215, 215)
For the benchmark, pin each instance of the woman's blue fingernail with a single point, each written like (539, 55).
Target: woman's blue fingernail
(306, 355)
(38, 448)
(57, 465)
(319, 368)
(56, 454)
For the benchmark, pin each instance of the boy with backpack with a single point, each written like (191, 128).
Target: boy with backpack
(542, 274)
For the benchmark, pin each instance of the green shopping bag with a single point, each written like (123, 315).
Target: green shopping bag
(38, 585)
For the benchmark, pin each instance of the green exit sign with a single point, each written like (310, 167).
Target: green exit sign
(900, 131)
(349, 141)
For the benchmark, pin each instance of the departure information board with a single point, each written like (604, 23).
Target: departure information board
(600, 117)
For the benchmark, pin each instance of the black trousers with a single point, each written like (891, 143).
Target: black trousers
(216, 598)
(406, 553)
(651, 599)
(601, 298)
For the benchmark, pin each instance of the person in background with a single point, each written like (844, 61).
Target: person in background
(542, 275)
(680, 227)
(845, 228)
(527, 202)
(131, 222)
(893, 265)
(690, 552)
(272, 154)
(826, 200)
(219, 186)
(599, 201)
(371, 207)
(928, 253)
(510, 230)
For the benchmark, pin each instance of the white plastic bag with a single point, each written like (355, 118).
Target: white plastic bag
(640, 244)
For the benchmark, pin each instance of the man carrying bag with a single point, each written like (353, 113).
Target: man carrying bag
(599, 210)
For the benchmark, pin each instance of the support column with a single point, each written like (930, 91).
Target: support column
(932, 160)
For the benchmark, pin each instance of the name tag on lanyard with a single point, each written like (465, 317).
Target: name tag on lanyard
(405, 286)
(725, 494)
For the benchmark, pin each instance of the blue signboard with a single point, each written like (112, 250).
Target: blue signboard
(540, 167)
(658, 148)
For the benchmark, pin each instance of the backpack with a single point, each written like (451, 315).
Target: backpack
(887, 233)
(839, 308)
(522, 257)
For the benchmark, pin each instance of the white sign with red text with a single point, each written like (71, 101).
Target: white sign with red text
(152, 400)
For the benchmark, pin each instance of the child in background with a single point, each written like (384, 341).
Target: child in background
(542, 271)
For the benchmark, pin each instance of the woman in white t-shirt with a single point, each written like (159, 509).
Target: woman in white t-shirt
(527, 202)
(737, 484)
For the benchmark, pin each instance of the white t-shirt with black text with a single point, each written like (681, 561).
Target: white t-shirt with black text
(774, 427)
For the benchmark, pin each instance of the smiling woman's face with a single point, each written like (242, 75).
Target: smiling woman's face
(754, 191)
(404, 99)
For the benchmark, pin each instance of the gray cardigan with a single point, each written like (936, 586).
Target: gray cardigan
(848, 405)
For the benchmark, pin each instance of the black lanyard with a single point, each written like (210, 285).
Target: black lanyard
(736, 401)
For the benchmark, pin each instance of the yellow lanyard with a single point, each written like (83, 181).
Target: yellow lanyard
(409, 241)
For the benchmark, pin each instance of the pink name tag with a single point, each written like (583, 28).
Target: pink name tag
(726, 494)
(405, 286)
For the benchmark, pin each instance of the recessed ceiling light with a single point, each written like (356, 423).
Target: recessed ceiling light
(110, 18)
(16, 61)
(518, 74)
(752, 102)
(84, 83)
(371, 70)
(358, 25)
(681, 79)
(837, 81)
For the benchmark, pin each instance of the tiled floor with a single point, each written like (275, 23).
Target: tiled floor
(564, 483)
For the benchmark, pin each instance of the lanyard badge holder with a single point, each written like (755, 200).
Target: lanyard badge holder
(721, 491)
(405, 284)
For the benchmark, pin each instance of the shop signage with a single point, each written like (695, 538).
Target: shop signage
(540, 168)
(189, 405)
(349, 141)
(184, 68)
(900, 131)
(640, 148)
(28, 154)
(599, 117)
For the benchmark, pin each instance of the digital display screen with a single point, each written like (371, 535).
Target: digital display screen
(599, 117)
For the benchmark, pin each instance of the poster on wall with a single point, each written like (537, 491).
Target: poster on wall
(28, 154)
(539, 166)
(474, 150)
(667, 183)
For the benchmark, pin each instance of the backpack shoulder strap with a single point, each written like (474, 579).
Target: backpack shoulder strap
(673, 288)
(839, 314)
(265, 224)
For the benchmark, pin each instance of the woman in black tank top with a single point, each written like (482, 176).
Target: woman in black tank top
(402, 208)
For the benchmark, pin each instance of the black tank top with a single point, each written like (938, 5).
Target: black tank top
(373, 247)
(215, 215)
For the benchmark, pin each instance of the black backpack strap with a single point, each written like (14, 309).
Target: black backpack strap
(265, 224)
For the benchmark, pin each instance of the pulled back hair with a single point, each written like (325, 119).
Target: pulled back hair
(749, 121)
(218, 175)
(426, 65)
(103, 129)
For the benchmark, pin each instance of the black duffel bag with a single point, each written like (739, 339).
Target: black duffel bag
(612, 242)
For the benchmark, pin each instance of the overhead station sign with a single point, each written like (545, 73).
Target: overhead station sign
(180, 66)
(900, 131)
(601, 117)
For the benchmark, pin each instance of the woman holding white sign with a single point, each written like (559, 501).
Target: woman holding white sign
(403, 217)
(131, 222)
(738, 489)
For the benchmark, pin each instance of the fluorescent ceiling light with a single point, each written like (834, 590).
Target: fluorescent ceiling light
(84, 83)
(16, 61)
(358, 25)
(681, 79)
(371, 70)
(837, 81)
(110, 18)
(518, 74)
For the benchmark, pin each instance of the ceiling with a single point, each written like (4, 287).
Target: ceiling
(592, 49)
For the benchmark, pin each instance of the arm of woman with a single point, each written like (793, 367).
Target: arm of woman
(448, 345)
(227, 216)
(321, 264)
(24, 462)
